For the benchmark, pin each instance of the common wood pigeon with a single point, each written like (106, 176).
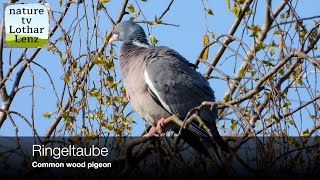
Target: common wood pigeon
(160, 83)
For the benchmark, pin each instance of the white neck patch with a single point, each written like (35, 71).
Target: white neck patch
(140, 44)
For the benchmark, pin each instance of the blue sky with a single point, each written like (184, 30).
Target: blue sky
(186, 39)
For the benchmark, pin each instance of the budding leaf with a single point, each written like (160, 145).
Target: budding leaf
(209, 11)
(212, 35)
(228, 4)
(233, 125)
(157, 20)
(47, 114)
(205, 41)
(131, 8)
(153, 40)
(305, 133)
(67, 77)
(271, 51)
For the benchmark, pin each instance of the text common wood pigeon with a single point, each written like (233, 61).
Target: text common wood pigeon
(160, 82)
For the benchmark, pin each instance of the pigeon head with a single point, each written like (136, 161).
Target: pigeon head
(128, 31)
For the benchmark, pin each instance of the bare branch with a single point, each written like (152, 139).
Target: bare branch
(24, 66)
(249, 55)
(166, 10)
(227, 40)
(83, 77)
(3, 90)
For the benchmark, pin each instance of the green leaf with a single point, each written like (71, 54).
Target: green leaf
(261, 45)
(285, 15)
(205, 41)
(267, 95)
(66, 115)
(104, 1)
(273, 116)
(313, 116)
(242, 72)
(305, 133)
(47, 114)
(98, 96)
(281, 72)
(132, 18)
(153, 40)
(273, 44)
(129, 128)
(131, 8)
(209, 11)
(271, 51)
(110, 79)
(255, 28)
(278, 32)
(236, 10)
(233, 125)
(75, 65)
(212, 35)
(254, 34)
(109, 65)
(92, 91)
(67, 77)
(298, 81)
(60, 3)
(226, 98)
(117, 99)
(156, 20)
(109, 126)
(291, 122)
(110, 82)
(286, 104)
(248, 11)
(63, 61)
(228, 4)
(267, 63)
(99, 6)
(302, 34)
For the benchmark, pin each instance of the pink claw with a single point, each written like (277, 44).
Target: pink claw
(160, 125)
(152, 132)
(158, 129)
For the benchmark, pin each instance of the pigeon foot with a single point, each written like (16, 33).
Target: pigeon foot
(158, 129)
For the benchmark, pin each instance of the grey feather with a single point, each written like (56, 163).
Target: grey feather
(132, 63)
(182, 88)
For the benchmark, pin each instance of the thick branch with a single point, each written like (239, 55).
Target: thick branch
(3, 90)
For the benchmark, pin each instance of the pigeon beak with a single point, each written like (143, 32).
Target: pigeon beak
(114, 37)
